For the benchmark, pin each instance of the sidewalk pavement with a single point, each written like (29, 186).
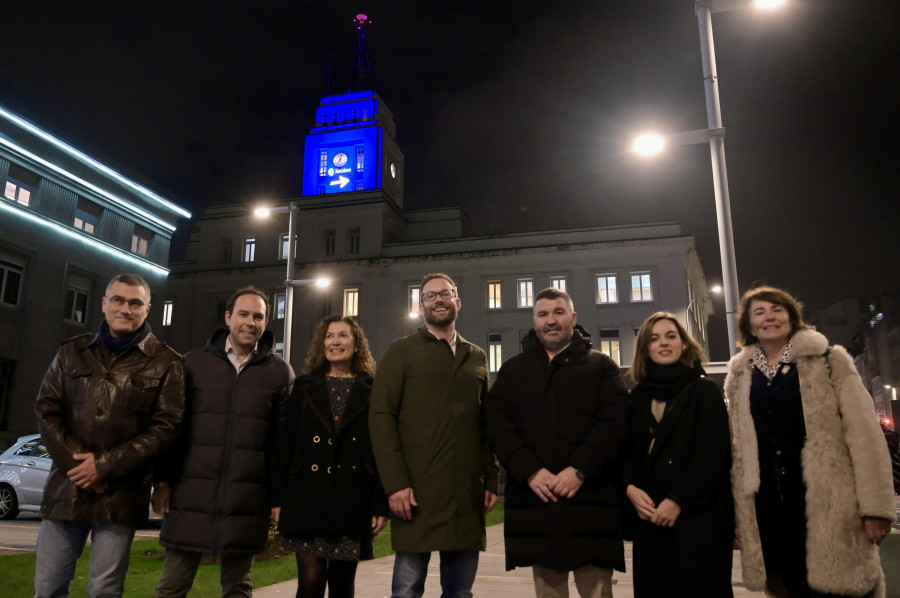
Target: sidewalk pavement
(373, 578)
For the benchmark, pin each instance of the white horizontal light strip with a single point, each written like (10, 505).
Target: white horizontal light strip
(84, 238)
(94, 188)
(85, 158)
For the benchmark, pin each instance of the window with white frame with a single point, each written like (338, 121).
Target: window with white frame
(353, 241)
(249, 252)
(351, 302)
(611, 344)
(606, 289)
(559, 283)
(284, 246)
(640, 287)
(495, 352)
(360, 158)
(526, 292)
(78, 293)
(414, 294)
(11, 275)
(329, 242)
(323, 161)
(494, 300)
(168, 308)
(280, 302)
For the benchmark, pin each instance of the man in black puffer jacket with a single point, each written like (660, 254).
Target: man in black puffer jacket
(557, 419)
(215, 488)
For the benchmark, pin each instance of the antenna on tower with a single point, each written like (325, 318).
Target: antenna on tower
(360, 55)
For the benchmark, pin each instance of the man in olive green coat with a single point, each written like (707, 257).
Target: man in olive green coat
(427, 426)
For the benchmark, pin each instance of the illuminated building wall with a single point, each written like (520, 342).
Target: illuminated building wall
(67, 225)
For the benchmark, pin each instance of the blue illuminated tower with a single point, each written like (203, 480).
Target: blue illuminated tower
(353, 145)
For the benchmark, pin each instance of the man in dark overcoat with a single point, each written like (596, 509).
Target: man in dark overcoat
(427, 426)
(557, 419)
(215, 487)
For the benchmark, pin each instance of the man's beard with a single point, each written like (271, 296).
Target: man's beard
(445, 320)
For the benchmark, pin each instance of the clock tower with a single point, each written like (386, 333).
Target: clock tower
(353, 147)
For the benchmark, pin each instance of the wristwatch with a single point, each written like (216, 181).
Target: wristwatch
(579, 474)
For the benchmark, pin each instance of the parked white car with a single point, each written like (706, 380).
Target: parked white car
(24, 469)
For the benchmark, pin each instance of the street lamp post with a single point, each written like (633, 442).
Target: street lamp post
(289, 281)
(720, 174)
(714, 134)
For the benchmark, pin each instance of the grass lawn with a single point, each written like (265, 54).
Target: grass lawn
(17, 570)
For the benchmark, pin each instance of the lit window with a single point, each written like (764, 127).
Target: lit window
(611, 344)
(139, 245)
(414, 295)
(20, 185)
(329, 242)
(493, 295)
(526, 292)
(323, 159)
(353, 241)
(87, 216)
(168, 307)
(360, 158)
(76, 305)
(10, 282)
(279, 348)
(640, 287)
(351, 302)
(250, 249)
(283, 246)
(18, 192)
(558, 282)
(495, 352)
(606, 289)
(279, 306)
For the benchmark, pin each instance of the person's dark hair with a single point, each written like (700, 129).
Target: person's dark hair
(362, 360)
(432, 276)
(251, 290)
(134, 280)
(692, 350)
(554, 293)
(772, 295)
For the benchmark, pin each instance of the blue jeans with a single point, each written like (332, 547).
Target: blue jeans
(458, 569)
(59, 546)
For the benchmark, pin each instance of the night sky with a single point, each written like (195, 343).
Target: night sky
(520, 113)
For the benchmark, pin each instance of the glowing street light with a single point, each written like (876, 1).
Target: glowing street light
(714, 134)
(289, 281)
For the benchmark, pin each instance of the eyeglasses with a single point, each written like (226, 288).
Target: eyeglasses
(133, 304)
(432, 295)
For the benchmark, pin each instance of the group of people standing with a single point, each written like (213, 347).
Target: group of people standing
(232, 441)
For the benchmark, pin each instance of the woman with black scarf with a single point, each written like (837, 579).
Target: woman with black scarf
(676, 475)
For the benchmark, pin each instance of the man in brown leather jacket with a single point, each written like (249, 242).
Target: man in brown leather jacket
(108, 405)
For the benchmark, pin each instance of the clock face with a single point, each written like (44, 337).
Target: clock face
(340, 159)
(393, 170)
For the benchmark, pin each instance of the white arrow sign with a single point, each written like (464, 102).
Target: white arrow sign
(342, 182)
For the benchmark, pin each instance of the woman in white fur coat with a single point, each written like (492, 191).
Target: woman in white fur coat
(811, 473)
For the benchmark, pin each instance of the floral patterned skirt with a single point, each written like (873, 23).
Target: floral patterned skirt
(339, 548)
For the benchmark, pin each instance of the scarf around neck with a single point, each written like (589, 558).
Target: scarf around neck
(665, 382)
(119, 344)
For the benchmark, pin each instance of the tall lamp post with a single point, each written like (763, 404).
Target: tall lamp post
(715, 136)
(289, 281)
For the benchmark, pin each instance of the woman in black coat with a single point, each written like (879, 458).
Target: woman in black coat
(677, 472)
(331, 501)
